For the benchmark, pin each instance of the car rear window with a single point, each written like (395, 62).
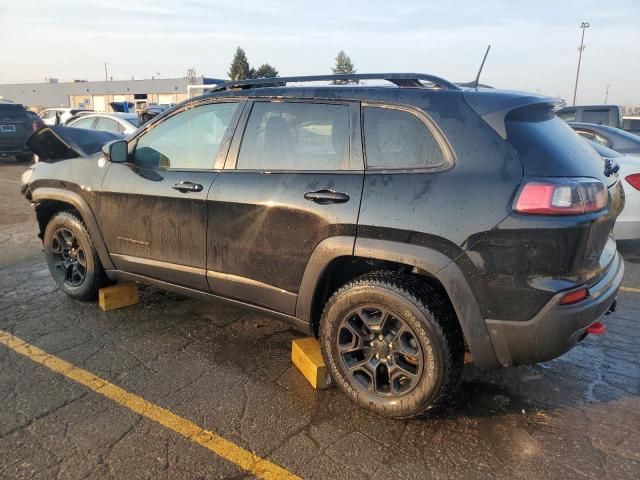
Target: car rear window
(548, 146)
(595, 116)
(398, 139)
(12, 110)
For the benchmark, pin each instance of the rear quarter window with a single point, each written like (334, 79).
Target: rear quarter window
(399, 139)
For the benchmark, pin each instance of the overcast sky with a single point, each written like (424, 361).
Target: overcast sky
(534, 42)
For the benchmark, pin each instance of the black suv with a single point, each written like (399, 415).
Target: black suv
(402, 224)
(16, 125)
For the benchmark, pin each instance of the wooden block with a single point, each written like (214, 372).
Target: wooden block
(118, 296)
(306, 356)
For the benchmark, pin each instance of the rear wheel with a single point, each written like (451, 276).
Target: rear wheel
(392, 343)
(72, 258)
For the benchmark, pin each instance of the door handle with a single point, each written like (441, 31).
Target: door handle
(327, 196)
(185, 187)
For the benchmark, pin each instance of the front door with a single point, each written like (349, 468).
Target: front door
(153, 212)
(292, 179)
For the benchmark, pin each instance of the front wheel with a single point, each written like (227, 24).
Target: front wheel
(392, 343)
(72, 258)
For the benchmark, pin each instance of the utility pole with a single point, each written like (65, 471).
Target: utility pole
(583, 26)
(106, 77)
(606, 94)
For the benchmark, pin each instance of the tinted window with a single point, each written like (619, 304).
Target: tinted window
(399, 139)
(190, 139)
(595, 116)
(83, 123)
(107, 124)
(295, 136)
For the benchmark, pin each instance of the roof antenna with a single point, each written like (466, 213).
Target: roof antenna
(477, 80)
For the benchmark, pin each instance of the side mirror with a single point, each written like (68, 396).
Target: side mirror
(116, 151)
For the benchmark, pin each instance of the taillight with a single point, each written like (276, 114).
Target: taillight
(37, 124)
(561, 196)
(633, 180)
(574, 297)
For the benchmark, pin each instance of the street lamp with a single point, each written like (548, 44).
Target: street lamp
(583, 26)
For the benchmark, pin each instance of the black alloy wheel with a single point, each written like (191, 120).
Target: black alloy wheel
(69, 258)
(379, 350)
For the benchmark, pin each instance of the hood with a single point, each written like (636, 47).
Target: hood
(60, 143)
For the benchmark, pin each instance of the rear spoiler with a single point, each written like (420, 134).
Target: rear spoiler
(60, 143)
(493, 107)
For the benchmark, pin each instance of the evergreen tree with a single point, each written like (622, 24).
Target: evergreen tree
(239, 69)
(343, 65)
(265, 71)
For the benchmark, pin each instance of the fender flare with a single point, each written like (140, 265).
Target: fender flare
(427, 261)
(43, 194)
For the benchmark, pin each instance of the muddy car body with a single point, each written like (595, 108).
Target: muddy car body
(402, 225)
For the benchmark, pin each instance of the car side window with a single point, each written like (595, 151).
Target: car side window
(398, 139)
(188, 140)
(295, 136)
(107, 125)
(83, 123)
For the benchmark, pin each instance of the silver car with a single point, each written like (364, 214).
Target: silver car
(124, 123)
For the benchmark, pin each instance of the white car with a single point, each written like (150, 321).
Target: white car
(628, 223)
(58, 116)
(124, 123)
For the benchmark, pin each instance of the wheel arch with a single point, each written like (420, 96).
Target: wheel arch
(343, 258)
(49, 201)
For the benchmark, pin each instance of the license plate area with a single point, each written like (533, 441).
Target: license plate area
(8, 128)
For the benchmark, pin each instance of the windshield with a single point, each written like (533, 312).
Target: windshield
(135, 121)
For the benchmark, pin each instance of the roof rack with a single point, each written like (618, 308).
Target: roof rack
(402, 80)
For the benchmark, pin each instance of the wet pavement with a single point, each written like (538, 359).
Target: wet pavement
(228, 370)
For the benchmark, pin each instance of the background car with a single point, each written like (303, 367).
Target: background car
(125, 123)
(627, 225)
(16, 125)
(153, 110)
(599, 114)
(58, 116)
(631, 124)
(614, 138)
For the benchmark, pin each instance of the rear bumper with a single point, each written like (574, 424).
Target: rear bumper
(556, 328)
(11, 151)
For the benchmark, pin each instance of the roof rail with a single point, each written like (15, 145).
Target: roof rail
(402, 80)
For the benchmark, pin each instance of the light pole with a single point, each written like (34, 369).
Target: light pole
(584, 26)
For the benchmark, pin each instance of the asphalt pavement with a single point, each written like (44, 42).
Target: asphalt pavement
(178, 364)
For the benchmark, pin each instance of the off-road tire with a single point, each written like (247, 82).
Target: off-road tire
(95, 276)
(431, 318)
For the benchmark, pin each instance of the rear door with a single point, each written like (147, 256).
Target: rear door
(153, 212)
(293, 178)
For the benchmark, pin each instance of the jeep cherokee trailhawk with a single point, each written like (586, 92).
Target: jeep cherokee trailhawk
(403, 223)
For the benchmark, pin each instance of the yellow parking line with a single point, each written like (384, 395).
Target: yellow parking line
(246, 460)
(629, 289)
